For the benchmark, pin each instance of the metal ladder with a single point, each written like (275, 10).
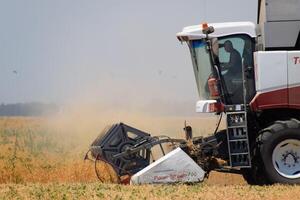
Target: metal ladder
(237, 137)
(237, 132)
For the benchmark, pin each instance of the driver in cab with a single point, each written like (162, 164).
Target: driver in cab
(234, 66)
(232, 72)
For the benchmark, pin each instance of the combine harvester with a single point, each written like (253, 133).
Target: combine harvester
(251, 74)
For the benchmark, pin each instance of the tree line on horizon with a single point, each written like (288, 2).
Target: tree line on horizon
(28, 109)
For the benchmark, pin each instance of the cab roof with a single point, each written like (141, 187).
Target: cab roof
(220, 30)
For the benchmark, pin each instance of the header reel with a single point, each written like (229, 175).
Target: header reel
(121, 151)
(125, 150)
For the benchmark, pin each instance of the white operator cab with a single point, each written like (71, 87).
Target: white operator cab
(242, 38)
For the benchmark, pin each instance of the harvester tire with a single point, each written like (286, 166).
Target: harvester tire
(249, 176)
(279, 146)
(256, 174)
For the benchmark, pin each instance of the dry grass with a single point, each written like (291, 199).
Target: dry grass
(30, 152)
(42, 159)
(52, 149)
(110, 191)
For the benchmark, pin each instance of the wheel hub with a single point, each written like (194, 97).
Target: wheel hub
(290, 159)
(286, 158)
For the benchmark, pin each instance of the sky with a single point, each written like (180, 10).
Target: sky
(61, 51)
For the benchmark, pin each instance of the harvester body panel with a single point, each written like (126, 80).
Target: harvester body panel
(277, 80)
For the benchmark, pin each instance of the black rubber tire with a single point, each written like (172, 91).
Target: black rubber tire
(250, 176)
(269, 138)
(256, 174)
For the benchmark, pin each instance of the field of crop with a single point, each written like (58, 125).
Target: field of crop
(111, 191)
(43, 159)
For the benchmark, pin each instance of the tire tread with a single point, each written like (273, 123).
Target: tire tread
(266, 134)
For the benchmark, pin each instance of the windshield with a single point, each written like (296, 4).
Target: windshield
(202, 66)
(235, 54)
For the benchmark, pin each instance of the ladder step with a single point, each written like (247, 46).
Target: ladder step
(237, 138)
(237, 133)
(234, 154)
(240, 160)
(238, 126)
(236, 119)
(238, 146)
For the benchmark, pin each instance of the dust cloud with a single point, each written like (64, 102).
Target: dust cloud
(81, 122)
